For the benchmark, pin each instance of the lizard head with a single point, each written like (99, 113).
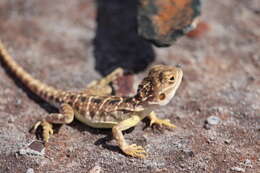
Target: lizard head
(160, 85)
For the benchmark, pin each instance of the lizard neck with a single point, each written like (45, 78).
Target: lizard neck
(144, 93)
(140, 100)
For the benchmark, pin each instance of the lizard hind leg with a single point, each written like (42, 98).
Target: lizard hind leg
(101, 87)
(65, 116)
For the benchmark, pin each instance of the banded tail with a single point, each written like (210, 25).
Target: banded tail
(39, 88)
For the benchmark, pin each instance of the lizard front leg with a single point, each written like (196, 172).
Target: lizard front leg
(101, 87)
(133, 149)
(65, 116)
(155, 120)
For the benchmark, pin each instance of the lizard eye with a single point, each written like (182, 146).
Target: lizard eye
(172, 78)
(162, 96)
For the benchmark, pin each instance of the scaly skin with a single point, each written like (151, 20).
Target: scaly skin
(95, 106)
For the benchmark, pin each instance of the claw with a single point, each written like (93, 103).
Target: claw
(35, 127)
(165, 122)
(47, 129)
(135, 151)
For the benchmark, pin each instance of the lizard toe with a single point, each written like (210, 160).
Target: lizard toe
(135, 151)
(46, 129)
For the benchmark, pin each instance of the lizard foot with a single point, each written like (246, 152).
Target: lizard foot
(46, 129)
(135, 151)
(162, 122)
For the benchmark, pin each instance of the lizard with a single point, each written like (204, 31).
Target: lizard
(97, 108)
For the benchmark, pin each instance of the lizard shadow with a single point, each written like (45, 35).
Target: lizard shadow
(104, 141)
(117, 43)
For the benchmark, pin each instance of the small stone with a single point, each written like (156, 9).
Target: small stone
(35, 148)
(18, 101)
(212, 138)
(182, 165)
(227, 141)
(248, 162)
(207, 126)
(237, 169)
(179, 145)
(11, 119)
(95, 169)
(22, 152)
(213, 120)
(30, 170)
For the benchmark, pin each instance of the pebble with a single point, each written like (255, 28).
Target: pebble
(228, 141)
(207, 126)
(248, 163)
(213, 120)
(35, 148)
(18, 101)
(237, 169)
(30, 170)
(95, 169)
(11, 119)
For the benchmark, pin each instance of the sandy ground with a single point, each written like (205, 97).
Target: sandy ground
(68, 44)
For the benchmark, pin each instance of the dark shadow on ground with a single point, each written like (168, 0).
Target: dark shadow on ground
(117, 43)
(104, 141)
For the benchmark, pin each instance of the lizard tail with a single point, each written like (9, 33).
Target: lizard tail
(39, 88)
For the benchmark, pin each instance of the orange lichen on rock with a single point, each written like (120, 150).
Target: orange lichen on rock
(163, 21)
(172, 14)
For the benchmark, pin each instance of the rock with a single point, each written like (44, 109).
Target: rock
(207, 126)
(228, 141)
(35, 148)
(30, 170)
(163, 21)
(11, 119)
(213, 120)
(95, 169)
(248, 163)
(237, 169)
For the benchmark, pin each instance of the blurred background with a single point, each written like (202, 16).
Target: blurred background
(67, 44)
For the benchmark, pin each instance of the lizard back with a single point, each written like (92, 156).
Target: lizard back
(102, 110)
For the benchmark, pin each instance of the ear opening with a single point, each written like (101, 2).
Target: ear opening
(162, 96)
